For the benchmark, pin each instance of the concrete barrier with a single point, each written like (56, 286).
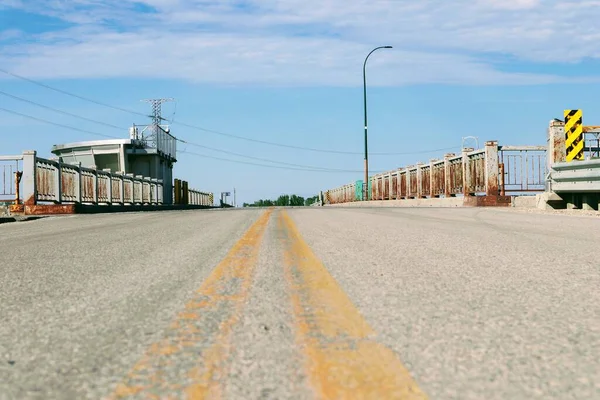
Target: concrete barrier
(449, 202)
(442, 202)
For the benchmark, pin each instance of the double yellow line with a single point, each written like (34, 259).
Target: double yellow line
(342, 358)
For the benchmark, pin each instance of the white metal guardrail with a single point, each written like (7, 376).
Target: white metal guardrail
(576, 177)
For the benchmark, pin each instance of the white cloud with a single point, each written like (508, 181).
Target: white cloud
(304, 42)
(512, 4)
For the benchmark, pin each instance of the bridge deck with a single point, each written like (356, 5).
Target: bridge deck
(448, 303)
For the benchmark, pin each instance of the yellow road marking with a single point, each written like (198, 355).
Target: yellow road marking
(343, 359)
(188, 332)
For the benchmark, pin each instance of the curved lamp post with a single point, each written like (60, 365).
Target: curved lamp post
(366, 182)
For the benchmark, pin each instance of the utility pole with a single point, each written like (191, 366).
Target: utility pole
(234, 202)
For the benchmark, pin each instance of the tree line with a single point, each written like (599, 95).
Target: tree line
(284, 200)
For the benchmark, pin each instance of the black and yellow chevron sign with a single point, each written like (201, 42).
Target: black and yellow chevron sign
(574, 139)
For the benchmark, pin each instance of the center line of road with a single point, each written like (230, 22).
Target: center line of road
(343, 359)
(198, 341)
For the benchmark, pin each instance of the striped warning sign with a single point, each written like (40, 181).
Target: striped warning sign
(574, 139)
(211, 199)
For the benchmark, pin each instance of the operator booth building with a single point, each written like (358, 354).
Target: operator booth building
(150, 155)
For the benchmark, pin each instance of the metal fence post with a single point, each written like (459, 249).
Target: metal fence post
(177, 191)
(491, 168)
(184, 192)
(29, 179)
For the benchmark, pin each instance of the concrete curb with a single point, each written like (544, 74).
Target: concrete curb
(449, 202)
(5, 220)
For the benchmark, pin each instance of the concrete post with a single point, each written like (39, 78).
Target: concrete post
(399, 184)
(78, 186)
(589, 201)
(571, 200)
(141, 185)
(155, 191)
(409, 193)
(131, 199)
(491, 168)
(466, 171)
(419, 193)
(95, 199)
(557, 151)
(432, 181)
(447, 176)
(29, 179)
(109, 188)
(122, 188)
(58, 182)
(161, 192)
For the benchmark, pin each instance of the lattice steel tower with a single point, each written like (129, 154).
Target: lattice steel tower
(156, 115)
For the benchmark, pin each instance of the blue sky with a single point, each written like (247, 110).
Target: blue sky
(290, 72)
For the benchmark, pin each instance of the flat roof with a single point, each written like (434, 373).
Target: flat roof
(90, 143)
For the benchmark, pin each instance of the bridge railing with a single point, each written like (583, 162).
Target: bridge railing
(29, 180)
(492, 171)
(9, 180)
(50, 181)
(182, 194)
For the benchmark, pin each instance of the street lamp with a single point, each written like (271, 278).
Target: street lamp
(366, 182)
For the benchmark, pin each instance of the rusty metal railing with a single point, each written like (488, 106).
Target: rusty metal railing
(491, 171)
(10, 177)
(182, 194)
(60, 183)
(523, 168)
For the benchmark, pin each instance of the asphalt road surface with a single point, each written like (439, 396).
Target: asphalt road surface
(303, 303)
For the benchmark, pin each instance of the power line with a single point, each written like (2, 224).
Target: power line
(300, 166)
(157, 119)
(61, 111)
(223, 133)
(267, 160)
(56, 124)
(267, 166)
(309, 148)
(71, 94)
(291, 167)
